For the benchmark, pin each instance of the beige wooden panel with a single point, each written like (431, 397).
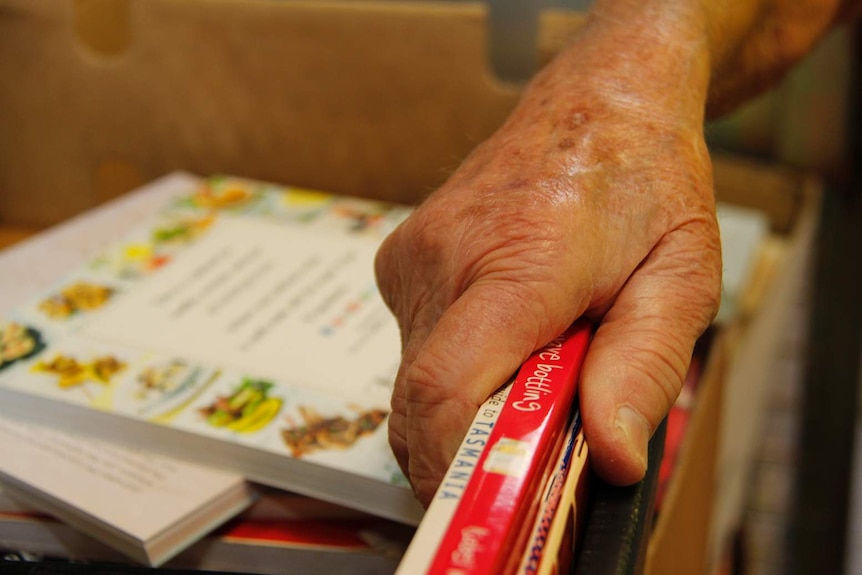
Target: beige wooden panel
(377, 99)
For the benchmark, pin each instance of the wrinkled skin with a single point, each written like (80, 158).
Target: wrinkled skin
(595, 198)
(579, 205)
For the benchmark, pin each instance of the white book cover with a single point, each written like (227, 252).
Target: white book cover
(435, 524)
(232, 322)
(146, 506)
(743, 232)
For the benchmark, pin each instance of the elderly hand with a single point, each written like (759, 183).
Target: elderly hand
(595, 198)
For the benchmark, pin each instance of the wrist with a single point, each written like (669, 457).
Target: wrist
(637, 59)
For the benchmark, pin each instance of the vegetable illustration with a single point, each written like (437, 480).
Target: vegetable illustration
(248, 409)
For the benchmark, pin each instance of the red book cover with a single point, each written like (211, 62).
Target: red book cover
(501, 497)
(323, 533)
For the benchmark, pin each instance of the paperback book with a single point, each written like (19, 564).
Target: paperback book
(148, 507)
(235, 324)
(489, 525)
(553, 539)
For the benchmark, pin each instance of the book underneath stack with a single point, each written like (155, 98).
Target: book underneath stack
(278, 530)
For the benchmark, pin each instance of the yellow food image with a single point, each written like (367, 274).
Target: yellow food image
(87, 296)
(246, 410)
(56, 307)
(228, 196)
(70, 372)
(81, 296)
(138, 258)
(138, 252)
(303, 197)
(15, 342)
(182, 230)
(263, 414)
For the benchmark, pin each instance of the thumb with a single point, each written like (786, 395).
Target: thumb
(640, 354)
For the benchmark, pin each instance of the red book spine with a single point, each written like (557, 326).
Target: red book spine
(497, 502)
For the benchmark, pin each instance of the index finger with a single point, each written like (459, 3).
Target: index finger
(474, 348)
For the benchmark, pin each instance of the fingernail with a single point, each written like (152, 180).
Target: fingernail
(637, 432)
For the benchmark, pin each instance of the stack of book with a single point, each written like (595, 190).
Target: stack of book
(171, 358)
(165, 355)
(513, 498)
(279, 529)
(168, 356)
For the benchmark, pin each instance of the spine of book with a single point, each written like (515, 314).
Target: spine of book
(502, 492)
(537, 536)
(431, 530)
(532, 504)
(562, 535)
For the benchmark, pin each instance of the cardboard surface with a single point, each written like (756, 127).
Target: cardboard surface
(708, 493)
(680, 537)
(11, 235)
(374, 99)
